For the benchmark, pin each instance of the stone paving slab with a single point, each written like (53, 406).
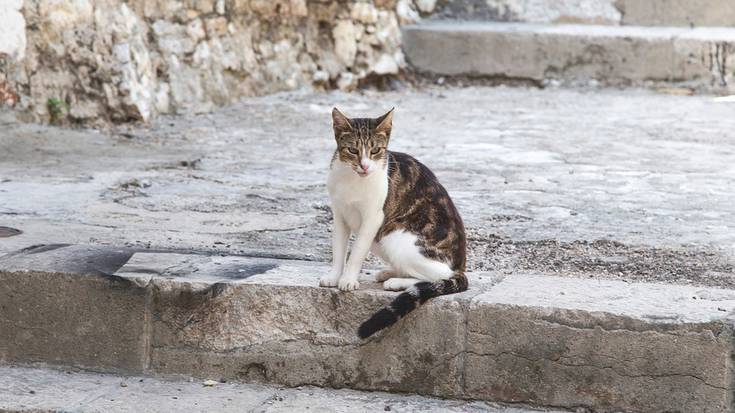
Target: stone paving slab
(697, 57)
(545, 183)
(646, 302)
(519, 338)
(46, 390)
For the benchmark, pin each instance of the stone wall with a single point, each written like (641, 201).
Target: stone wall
(123, 60)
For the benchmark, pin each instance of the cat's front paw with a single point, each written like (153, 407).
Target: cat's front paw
(348, 283)
(329, 280)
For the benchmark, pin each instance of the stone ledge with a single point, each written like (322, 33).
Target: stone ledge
(611, 12)
(528, 338)
(613, 54)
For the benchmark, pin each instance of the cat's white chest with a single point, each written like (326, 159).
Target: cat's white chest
(355, 198)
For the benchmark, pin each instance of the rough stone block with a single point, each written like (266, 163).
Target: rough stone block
(82, 318)
(606, 345)
(277, 327)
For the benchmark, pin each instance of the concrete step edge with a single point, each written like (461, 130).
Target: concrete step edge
(715, 33)
(701, 57)
(612, 12)
(522, 338)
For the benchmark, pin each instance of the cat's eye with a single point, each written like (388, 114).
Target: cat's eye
(375, 151)
(353, 151)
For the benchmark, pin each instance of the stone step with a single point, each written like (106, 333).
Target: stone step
(47, 390)
(526, 338)
(700, 58)
(613, 12)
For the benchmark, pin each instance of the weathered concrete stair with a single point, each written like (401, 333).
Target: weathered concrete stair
(612, 12)
(529, 338)
(701, 58)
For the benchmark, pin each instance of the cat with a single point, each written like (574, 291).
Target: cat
(399, 211)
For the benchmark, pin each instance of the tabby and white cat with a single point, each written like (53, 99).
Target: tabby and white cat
(399, 211)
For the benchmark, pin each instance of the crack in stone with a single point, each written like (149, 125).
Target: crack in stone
(262, 230)
(612, 368)
(714, 327)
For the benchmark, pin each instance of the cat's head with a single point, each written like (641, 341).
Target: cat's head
(362, 143)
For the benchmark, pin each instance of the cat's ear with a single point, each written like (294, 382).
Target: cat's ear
(340, 122)
(385, 123)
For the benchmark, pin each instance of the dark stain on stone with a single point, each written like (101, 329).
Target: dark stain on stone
(108, 261)
(427, 359)
(6, 232)
(253, 372)
(508, 218)
(116, 281)
(183, 300)
(147, 271)
(184, 307)
(241, 272)
(193, 299)
(35, 249)
(76, 259)
(217, 289)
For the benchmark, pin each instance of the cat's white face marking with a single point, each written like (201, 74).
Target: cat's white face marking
(367, 166)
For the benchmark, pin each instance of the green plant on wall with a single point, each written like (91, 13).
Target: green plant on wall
(57, 109)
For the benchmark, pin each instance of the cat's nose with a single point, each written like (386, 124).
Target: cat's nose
(365, 167)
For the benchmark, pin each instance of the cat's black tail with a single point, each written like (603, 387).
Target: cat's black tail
(408, 300)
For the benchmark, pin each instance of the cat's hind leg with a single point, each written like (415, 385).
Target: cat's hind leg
(389, 272)
(398, 284)
(402, 252)
(386, 274)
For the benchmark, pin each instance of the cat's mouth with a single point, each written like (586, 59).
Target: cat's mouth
(362, 174)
